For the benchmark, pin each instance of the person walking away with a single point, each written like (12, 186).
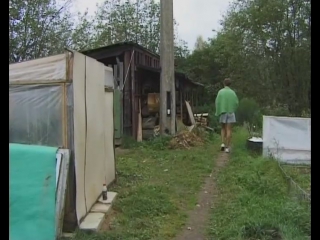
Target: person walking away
(226, 105)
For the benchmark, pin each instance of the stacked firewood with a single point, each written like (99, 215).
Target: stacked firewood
(185, 140)
(201, 119)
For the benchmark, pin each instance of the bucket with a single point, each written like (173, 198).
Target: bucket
(254, 145)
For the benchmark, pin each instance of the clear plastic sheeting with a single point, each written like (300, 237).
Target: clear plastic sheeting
(45, 110)
(43, 69)
(35, 115)
(287, 139)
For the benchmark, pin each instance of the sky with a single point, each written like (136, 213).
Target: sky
(195, 17)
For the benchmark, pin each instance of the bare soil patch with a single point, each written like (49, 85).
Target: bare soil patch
(198, 217)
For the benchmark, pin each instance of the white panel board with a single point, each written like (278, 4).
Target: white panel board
(287, 138)
(79, 68)
(108, 77)
(109, 137)
(94, 158)
(95, 174)
(63, 159)
(58, 165)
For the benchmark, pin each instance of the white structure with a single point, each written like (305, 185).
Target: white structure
(61, 101)
(287, 139)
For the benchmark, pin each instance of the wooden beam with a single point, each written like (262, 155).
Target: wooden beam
(133, 100)
(37, 82)
(127, 122)
(121, 97)
(197, 104)
(192, 101)
(181, 101)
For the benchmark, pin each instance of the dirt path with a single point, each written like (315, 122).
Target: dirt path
(195, 227)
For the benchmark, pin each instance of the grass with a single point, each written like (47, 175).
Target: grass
(253, 201)
(156, 187)
(300, 174)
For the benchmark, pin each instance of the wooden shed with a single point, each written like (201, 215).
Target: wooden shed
(136, 73)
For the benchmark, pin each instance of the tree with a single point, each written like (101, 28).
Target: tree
(37, 28)
(200, 43)
(264, 46)
(83, 35)
(272, 39)
(131, 21)
(42, 27)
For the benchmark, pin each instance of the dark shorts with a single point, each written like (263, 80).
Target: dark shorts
(227, 118)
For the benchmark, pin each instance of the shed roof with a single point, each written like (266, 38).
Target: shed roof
(119, 45)
(178, 74)
(129, 45)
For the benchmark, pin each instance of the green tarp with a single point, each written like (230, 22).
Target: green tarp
(32, 192)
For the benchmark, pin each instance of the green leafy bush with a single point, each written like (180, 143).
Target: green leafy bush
(249, 112)
(277, 110)
(204, 108)
(282, 110)
(213, 120)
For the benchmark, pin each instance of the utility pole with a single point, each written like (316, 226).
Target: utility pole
(167, 80)
(137, 20)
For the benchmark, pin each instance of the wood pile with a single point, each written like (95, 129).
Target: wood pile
(185, 140)
(201, 119)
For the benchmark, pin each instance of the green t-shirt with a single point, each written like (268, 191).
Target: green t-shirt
(226, 101)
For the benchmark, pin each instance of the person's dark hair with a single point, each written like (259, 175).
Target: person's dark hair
(227, 82)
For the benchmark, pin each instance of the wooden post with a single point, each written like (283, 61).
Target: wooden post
(121, 98)
(181, 102)
(197, 106)
(126, 117)
(133, 98)
(183, 98)
(167, 80)
(192, 101)
(139, 134)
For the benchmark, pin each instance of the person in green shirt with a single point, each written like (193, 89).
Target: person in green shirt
(226, 105)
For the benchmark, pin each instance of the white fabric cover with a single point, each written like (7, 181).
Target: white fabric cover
(43, 69)
(287, 139)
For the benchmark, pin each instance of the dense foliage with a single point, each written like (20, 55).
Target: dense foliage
(263, 45)
(44, 27)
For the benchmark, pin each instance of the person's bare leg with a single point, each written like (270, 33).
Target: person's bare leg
(223, 136)
(228, 134)
(223, 133)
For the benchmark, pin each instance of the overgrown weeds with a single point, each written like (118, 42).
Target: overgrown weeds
(253, 202)
(301, 174)
(182, 140)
